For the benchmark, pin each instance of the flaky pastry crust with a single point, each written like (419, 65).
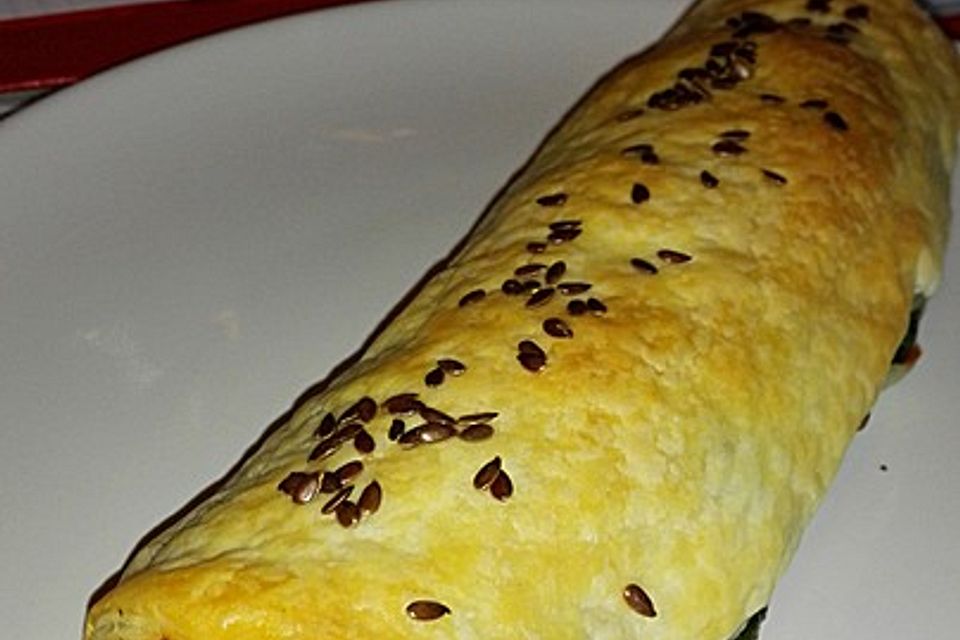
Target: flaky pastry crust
(754, 203)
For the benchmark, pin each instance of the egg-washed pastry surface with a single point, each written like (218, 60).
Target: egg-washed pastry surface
(611, 412)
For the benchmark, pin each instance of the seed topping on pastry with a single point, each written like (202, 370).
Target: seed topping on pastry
(326, 427)
(483, 416)
(709, 180)
(638, 600)
(772, 98)
(643, 266)
(331, 505)
(577, 307)
(814, 103)
(364, 443)
(735, 134)
(596, 306)
(857, 12)
(775, 177)
(347, 513)
(487, 474)
(541, 297)
(363, 409)
(835, 120)
(434, 377)
(552, 200)
(476, 432)
(573, 288)
(673, 257)
(529, 269)
(402, 404)
(370, 498)
(556, 271)
(639, 193)
(729, 148)
(536, 247)
(473, 297)
(451, 366)
(531, 356)
(300, 486)
(397, 427)
(427, 610)
(502, 486)
(557, 328)
(818, 6)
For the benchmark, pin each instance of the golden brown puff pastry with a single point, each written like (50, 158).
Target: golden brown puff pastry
(610, 413)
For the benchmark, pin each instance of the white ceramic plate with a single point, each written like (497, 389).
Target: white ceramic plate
(188, 241)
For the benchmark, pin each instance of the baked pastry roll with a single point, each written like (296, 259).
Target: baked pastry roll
(611, 411)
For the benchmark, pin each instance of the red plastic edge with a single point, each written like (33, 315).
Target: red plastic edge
(57, 50)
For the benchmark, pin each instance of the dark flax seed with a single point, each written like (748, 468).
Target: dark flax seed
(326, 427)
(434, 377)
(775, 177)
(482, 416)
(729, 148)
(325, 448)
(815, 104)
(512, 287)
(427, 610)
(365, 409)
(557, 328)
(673, 257)
(835, 120)
(552, 200)
(709, 180)
(735, 134)
(638, 600)
(536, 247)
(573, 288)
(348, 471)
(564, 235)
(596, 307)
(348, 514)
(532, 361)
(300, 486)
(857, 12)
(502, 486)
(818, 6)
(529, 286)
(476, 432)
(370, 498)
(402, 403)
(473, 297)
(559, 225)
(348, 432)
(541, 297)
(397, 427)
(772, 98)
(577, 307)
(529, 269)
(329, 483)
(331, 505)
(639, 193)
(487, 474)
(643, 266)
(433, 432)
(364, 442)
(429, 414)
(451, 366)
(556, 271)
